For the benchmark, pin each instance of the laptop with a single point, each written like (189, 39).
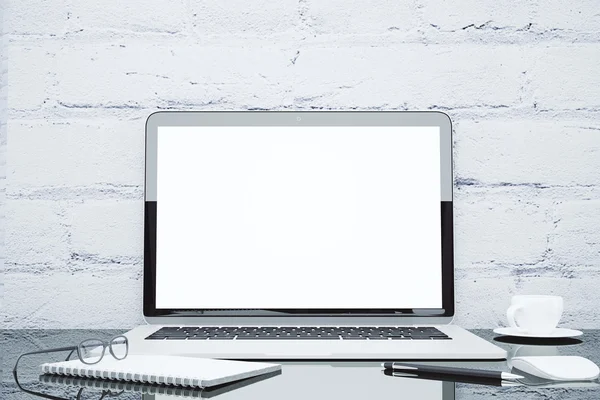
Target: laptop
(301, 235)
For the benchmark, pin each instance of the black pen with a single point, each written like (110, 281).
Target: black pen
(449, 378)
(450, 371)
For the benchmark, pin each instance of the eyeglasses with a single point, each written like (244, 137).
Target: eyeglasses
(90, 351)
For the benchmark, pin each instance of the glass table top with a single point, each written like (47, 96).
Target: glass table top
(298, 380)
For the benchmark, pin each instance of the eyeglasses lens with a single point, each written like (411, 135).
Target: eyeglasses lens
(119, 347)
(91, 351)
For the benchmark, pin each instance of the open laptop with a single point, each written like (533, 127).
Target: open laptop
(301, 235)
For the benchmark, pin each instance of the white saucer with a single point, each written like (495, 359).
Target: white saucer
(556, 334)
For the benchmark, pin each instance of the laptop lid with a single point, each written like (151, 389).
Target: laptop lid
(298, 217)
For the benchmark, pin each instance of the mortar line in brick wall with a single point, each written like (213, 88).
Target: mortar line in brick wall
(478, 110)
(426, 34)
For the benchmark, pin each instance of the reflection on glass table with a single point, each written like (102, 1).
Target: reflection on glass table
(311, 379)
(150, 389)
(328, 378)
(79, 396)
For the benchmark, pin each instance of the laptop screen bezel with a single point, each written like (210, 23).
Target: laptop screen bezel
(289, 118)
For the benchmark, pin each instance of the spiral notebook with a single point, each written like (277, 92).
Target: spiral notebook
(164, 370)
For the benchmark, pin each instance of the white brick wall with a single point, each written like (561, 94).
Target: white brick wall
(542, 152)
(497, 227)
(3, 139)
(446, 16)
(576, 239)
(167, 74)
(44, 246)
(38, 17)
(240, 18)
(102, 229)
(31, 79)
(519, 79)
(75, 153)
(556, 77)
(97, 297)
(408, 76)
(340, 17)
(60, 17)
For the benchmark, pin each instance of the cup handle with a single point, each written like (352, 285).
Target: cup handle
(510, 315)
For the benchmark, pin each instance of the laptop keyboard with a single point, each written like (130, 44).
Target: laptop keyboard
(297, 333)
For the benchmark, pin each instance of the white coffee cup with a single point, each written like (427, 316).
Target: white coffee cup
(535, 314)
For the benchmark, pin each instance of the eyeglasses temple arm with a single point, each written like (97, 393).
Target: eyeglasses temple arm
(72, 348)
(69, 356)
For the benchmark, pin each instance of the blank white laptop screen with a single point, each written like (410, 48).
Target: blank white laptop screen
(298, 217)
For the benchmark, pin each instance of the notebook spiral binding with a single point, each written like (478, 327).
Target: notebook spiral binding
(122, 376)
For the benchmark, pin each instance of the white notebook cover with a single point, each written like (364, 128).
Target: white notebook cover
(164, 370)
